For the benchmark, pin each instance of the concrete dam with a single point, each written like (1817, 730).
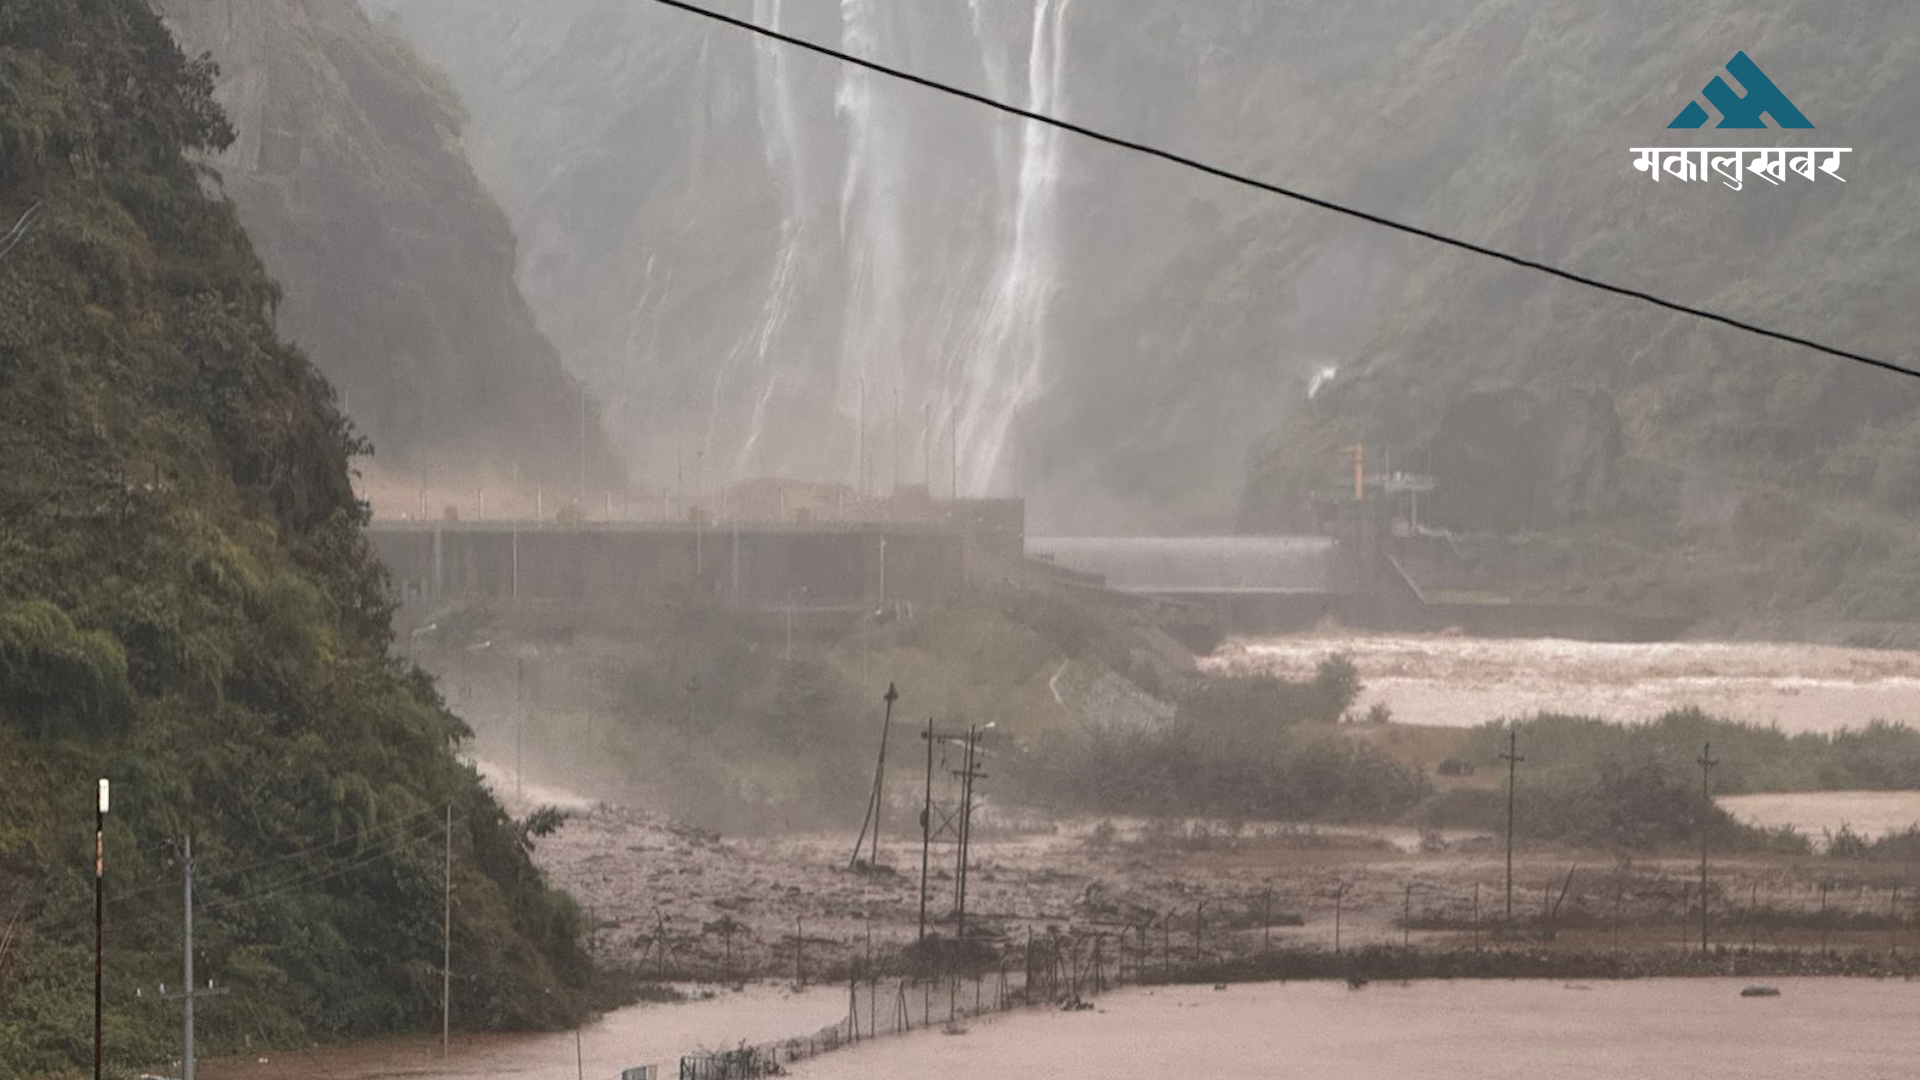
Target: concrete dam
(826, 573)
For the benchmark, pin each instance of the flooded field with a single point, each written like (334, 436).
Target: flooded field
(1702, 1028)
(1460, 682)
(1872, 814)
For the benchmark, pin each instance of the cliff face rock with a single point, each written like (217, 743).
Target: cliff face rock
(1517, 463)
(397, 267)
(740, 235)
(748, 240)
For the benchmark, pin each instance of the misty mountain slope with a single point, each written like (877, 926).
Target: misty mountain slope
(188, 607)
(1660, 462)
(397, 266)
(740, 233)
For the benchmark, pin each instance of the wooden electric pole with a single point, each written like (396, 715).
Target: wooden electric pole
(1513, 759)
(1706, 763)
(926, 831)
(876, 799)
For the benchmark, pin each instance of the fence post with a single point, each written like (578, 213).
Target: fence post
(1893, 924)
(1026, 988)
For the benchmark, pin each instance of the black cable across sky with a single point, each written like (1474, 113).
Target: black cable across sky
(1289, 193)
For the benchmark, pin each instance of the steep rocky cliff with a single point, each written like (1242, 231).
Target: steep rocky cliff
(397, 267)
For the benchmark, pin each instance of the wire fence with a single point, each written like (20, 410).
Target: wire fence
(1052, 969)
(1589, 923)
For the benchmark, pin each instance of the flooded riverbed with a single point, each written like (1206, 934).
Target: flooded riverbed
(1700, 1028)
(1457, 681)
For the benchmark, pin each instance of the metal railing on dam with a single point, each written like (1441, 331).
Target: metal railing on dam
(1201, 565)
(611, 566)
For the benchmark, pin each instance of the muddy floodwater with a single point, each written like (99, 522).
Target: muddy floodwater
(637, 1035)
(1457, 681)
(1700, 1028)
(1871, 814)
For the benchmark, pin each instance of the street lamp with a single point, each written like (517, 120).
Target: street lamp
(99, 911)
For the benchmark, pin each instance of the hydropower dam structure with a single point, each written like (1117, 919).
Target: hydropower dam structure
(780, 569)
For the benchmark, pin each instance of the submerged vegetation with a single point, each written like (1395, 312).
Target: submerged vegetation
(1237, 747)
(188, 608)
(1637, 786)
(1880, 756)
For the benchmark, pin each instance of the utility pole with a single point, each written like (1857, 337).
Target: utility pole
(186, 960)
(99, 916)
(1706, 763)
(446, 938)
(187, 992)
(966, 829)
(880, 770)
(926, 831)
(1513, 759)
(876, 799)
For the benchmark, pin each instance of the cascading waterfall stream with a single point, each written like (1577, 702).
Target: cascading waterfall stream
(874, 195)
(1005, 367)
(955, 350)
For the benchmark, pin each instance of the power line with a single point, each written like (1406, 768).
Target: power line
(383, 840)
(1289, 193)
(365, 834)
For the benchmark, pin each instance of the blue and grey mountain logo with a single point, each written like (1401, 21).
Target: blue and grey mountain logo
(1762, 98)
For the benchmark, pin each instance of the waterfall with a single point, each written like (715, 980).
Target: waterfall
(837, 309)
(874, 194)
(1005, 366)
(787, 160)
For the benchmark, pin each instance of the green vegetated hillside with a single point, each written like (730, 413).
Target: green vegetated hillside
(188, 608)
(1599, 449)
(397, 266)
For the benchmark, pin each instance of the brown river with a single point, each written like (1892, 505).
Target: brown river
(1470, 1030)
(1460, 681)
(1700, 1029)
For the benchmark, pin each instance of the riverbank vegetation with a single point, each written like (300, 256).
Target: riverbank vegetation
(1637, 786)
